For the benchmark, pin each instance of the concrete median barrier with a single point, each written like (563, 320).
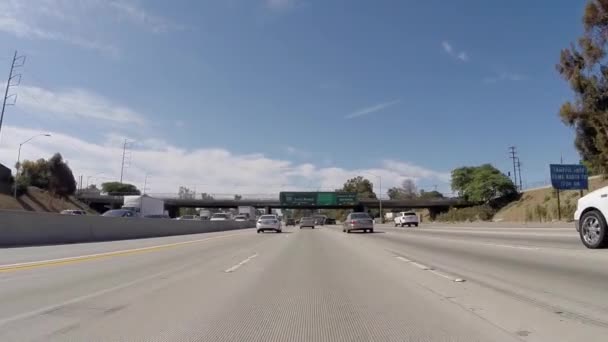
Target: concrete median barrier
(19, 228)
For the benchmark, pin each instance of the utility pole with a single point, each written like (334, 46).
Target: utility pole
(18, 61)
(520, 177)
(514, 157)
(145, 184)
(122, 165)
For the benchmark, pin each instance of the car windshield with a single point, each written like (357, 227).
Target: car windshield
(409, 214)
(359, 216)
(268, 217)
(219, 216)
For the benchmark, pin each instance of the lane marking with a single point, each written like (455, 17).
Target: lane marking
(430, 269)
(420, 266)
(511, 246)
(81, 258)
(465, 240)
(236, 267)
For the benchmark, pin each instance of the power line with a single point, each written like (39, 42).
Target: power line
(12, 81)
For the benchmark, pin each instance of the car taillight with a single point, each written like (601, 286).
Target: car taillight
(353, 222)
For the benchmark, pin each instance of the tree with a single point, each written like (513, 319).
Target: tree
(61, 180)
(185, 193)
(120, 188)
(430, 194)
(53, 175)
(363, 187)
(34, 173)
(238, 197)
(586, 70)
(407, 190)
(482, 183)
(461, 177)
(206, 196)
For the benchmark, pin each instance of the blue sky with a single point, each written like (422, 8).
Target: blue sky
(314, 90)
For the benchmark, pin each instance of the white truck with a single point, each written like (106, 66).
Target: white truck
(204, 214)
(406, 218)
(250, 212)
(144, 206)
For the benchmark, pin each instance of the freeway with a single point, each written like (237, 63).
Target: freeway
(433, 283)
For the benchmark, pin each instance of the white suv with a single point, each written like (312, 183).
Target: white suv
(406, 218)
(590, 218)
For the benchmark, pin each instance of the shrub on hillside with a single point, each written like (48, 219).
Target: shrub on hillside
(477, 213)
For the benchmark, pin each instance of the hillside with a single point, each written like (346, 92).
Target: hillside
(40, 200)
(540, 205)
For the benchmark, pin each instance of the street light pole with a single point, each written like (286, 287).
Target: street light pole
(19, 159)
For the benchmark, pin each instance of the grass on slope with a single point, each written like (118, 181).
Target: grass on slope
(41, 201)
(540, 205)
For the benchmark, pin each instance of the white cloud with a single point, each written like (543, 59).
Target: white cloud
(297, 152)
(505, 76)
(449, 49)
(136, 14)
(463, 56)
(21, 29)
(210, 170)
(75, 103)
(372, 109)
(76, 23)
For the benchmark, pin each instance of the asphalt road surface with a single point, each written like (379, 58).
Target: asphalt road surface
(398, 284)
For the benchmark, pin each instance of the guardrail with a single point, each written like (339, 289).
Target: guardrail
(18, 228)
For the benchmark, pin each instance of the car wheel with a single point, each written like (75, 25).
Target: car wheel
(402, 225)
(348, 231)
(258, 231)
(396, 225)
(343, 230)
(312, 227)
(593, 230)
(416, 225)
(279, 231)
(371, 230)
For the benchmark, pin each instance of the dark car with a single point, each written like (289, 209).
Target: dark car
(290, 222)
(307, 222)
(330, 221)
(320, 220)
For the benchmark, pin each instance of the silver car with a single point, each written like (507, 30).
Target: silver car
(268, 222)
(307, 222)
(358, 221)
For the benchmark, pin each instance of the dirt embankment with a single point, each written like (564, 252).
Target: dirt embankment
(42, 201)
(540, 205)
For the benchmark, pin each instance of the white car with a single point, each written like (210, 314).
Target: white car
(406, 218)
(241, 218)
(219, 217)
(188, 218)
(590, 218)
(268, 222)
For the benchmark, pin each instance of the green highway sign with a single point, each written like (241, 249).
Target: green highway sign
(318, 198)
(346, 198)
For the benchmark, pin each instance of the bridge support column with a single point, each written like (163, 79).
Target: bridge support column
(268, 210)
(173, 211)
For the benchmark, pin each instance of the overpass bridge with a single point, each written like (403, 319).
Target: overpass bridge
(100, 203)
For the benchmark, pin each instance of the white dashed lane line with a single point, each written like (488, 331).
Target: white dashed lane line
(430, 269)
(236, 267)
